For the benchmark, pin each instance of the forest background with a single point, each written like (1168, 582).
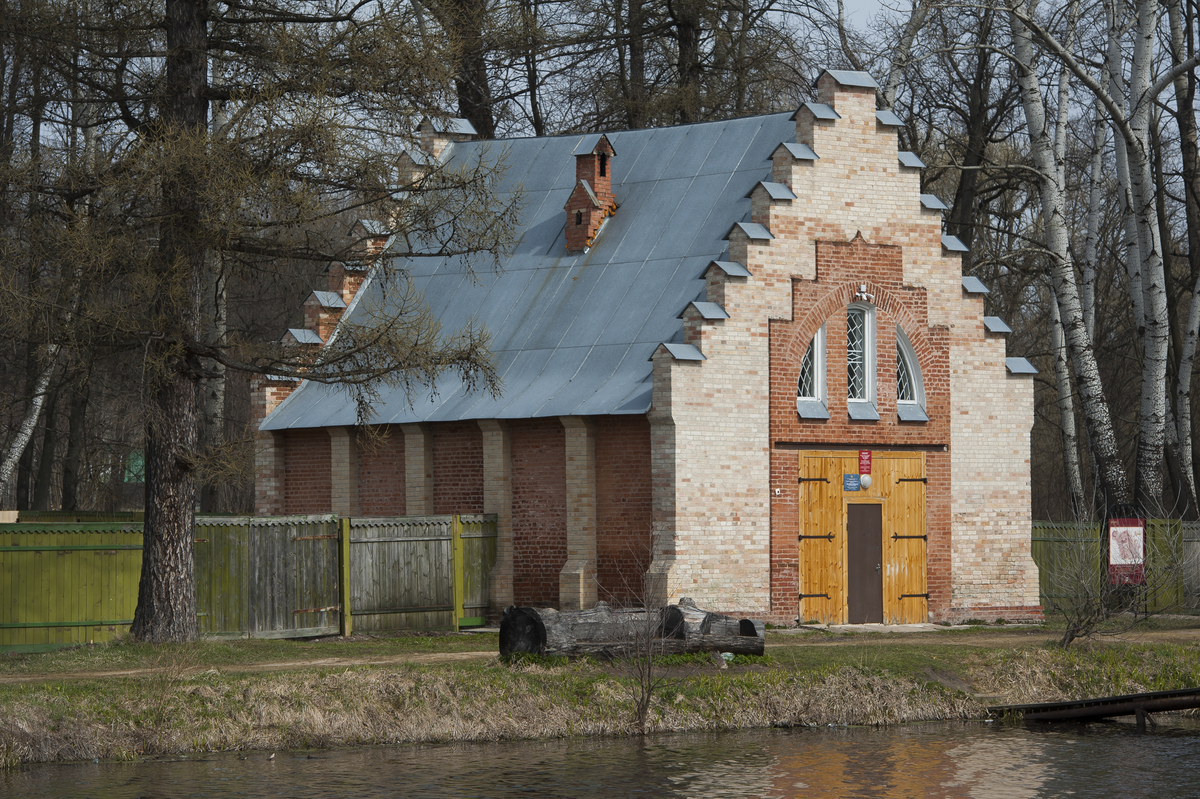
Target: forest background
(1062, 136)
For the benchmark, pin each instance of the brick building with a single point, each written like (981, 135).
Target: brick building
(740, 363)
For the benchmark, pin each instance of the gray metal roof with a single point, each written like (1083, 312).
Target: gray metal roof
(708, 310)
(1020, 366)
(801, 152)
(776, 191)
(453, 125)
(683, 352)
(572, 333)
(730, 268)
(753, 231)
(886, 116)
(973, 285)
(911, 160)
(953, 243)
(302, 335)
(848, 77)
(994, 324)
(329, 299)
(819, 111)
(932, 202)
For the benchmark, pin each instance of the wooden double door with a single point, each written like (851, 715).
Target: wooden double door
(862, 553)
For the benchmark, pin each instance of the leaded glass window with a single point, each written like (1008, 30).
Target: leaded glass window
(808, 384)
(856, 353)
(904, 381)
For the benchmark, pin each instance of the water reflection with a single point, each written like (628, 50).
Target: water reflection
(914, 762)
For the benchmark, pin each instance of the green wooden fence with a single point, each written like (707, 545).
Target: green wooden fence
(63, 584)
(67, 584)
(1071, 560)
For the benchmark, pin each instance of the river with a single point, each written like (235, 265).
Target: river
(941, 760)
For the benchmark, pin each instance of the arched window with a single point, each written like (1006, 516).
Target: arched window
(860, 362)
(810, 388)
(910, 390)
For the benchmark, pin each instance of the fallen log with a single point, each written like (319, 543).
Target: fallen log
(607, 632)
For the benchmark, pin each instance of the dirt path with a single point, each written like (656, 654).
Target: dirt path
(989, 639)
(427, 658)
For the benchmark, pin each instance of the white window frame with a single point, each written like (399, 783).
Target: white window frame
(910, 410)
(863, 408)
(815, 406)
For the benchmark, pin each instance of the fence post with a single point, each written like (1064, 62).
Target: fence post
(344, 575)
(456, 559)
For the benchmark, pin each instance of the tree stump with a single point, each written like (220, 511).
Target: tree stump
(609, 632)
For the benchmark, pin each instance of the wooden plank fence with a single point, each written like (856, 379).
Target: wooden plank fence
(63, 584)
(1071, 555)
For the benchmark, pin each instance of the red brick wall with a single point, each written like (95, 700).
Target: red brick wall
(841, 268)
(623, 506)
(306, 477)
(381, 474)
(457, 468)
(539, 509)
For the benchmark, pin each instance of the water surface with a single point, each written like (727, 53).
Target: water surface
(930, 760)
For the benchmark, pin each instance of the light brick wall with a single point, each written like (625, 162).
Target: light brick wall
(711, 429)
(497, 499)
(418, 470)
(577, 587)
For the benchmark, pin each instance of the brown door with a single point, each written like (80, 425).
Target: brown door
(864, 540)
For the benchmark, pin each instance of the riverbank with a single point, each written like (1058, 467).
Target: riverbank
(220, 696)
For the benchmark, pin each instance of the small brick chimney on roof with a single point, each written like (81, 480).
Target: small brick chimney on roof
(592, 199)
(437, 134)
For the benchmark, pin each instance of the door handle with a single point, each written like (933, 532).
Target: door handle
(879, 568)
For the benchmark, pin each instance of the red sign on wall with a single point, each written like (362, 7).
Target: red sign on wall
(864, 461)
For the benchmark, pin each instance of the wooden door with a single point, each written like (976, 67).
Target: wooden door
(864, 563)
(898, 492)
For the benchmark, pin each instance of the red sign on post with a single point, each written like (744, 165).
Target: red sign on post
(1126, 551)
(864, 461)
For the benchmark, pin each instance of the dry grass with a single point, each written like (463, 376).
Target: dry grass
(177, 710)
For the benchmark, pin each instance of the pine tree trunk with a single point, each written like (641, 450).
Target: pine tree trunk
(166, 609)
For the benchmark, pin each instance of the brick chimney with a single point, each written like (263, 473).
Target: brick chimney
(592, 199)
(322, 310)
(437, 134)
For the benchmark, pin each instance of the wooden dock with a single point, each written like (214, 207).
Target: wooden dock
(1139, 705)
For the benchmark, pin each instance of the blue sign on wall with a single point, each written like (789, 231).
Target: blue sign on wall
(851, 482)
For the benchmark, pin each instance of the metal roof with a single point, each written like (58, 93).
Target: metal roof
(683, 352)
(708, 310)
(453, 125)
(932, 202)
(730, 268)
(799, 151)
(776, 191)
(848, 77)
(572, 333)
(973, 285)
(911, 160)
(753, 231)
(329, 299)
(302, 335)
(1020, 366)
(888, 117)
(819, 111)
(953, 243)
(994, 324)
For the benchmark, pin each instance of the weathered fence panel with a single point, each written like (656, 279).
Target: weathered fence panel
(222, 565)
(478, 536)
(66, 584)
(420, 572)
(293, 586)
(400, 573)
